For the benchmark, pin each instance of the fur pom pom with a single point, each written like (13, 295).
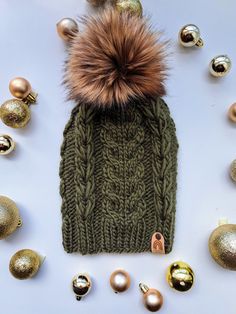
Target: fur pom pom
(116, 59)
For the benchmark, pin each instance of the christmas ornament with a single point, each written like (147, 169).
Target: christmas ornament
(7, 144)
(233, 170)
(222, 246)
(127, 84)
(9, 217)
(152, 298)
(232, 113)
(220, 66)
(67, 28)
(180, 276)
(21, 89)
(15, 113)
(189, 36)
(131, 6)
(25, 264)
(81, 285)
(97, 3)
(120, 281)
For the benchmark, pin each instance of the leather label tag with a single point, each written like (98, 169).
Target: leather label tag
(158, 243)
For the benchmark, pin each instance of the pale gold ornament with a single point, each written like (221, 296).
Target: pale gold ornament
(120, 281)
(220, 66)
(21, 89)
(81, 285)
(7, 145)
(15, 113)
(232, 113)
(189, 36)
(9, 217)
(25, 264)
(180, 276)
(222, 246)
(131, 6)
(67, 29)
(152, 298)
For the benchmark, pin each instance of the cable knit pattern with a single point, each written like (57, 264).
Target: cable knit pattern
(118, 178)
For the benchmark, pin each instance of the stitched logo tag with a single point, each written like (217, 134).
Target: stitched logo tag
(158, 243)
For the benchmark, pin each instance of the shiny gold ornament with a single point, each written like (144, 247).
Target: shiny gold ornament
(67, 29)
(25, 264)
(222, 246)
(131, 6)
(9, 217)
(152, 298)
(81, 285)
(233, 171)
(180, 276)
(120, 281)
(232, 113)
(96, 3)
(189, 36)
(15, 113)
(220, 66)
(21, 89)
(7, 144)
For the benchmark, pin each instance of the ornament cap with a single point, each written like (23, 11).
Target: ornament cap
(144, 288)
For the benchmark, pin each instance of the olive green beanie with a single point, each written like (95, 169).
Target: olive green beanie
(119, 154)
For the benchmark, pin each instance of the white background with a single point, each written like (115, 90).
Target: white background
(31, 48)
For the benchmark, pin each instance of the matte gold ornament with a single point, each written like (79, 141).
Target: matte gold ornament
(180, 276)
(232, 113)
(7, 144)
(220, 66)
(25, 264)
(67, 28)
(152, 298)
(21, 89)
(15, 113)
(120, 281)
(131, 6)
(189, 36)
(222, 246)
(81, 285)
(9, 217)
(233, 171)
(96, 3)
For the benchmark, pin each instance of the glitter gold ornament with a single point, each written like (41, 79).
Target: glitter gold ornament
(222, 245)
(220, 66)
(180, 276)
(21, 89)
(233, 170)
(96, 3)
(152, 298)
(9, 217)
(7, 144)
(232, 113)
(25, 264)
(120, 281)
(189, 36)
(67, 28)
(81, 285)
(15, 113)
(131, 6)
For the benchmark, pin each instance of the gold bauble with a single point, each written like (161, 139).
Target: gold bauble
(67, 29)
(15, 113)
(233, 170)
(81, 285)
(120, 281)
(131, 6)
(222, 246)
(25, 264)
(97, 3)
(232, 113)
(180, 276)
(7, 144)
(9, 217)
(21, 89)
(152, 298)
(189, 36)
(220, 66)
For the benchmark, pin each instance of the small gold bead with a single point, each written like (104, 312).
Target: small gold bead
(220, 66)
(67, 29)
(189, 36)
(7, 145)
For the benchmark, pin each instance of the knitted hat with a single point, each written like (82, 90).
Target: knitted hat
(119, 155)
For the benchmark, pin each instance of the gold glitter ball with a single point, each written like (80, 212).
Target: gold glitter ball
(131, 6)
(9, 217)
(233, 171)
(222, 246)
(180, 276)
(15, 113)
(7, 144)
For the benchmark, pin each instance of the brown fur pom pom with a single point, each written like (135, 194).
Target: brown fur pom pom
(117, 58)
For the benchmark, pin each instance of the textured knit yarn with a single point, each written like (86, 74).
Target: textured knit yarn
(118, 178)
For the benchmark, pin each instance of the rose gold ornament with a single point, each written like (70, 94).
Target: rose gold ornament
(120, 281)
(152, 298)
(21, 89)
(232, 113)
(67, 28)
